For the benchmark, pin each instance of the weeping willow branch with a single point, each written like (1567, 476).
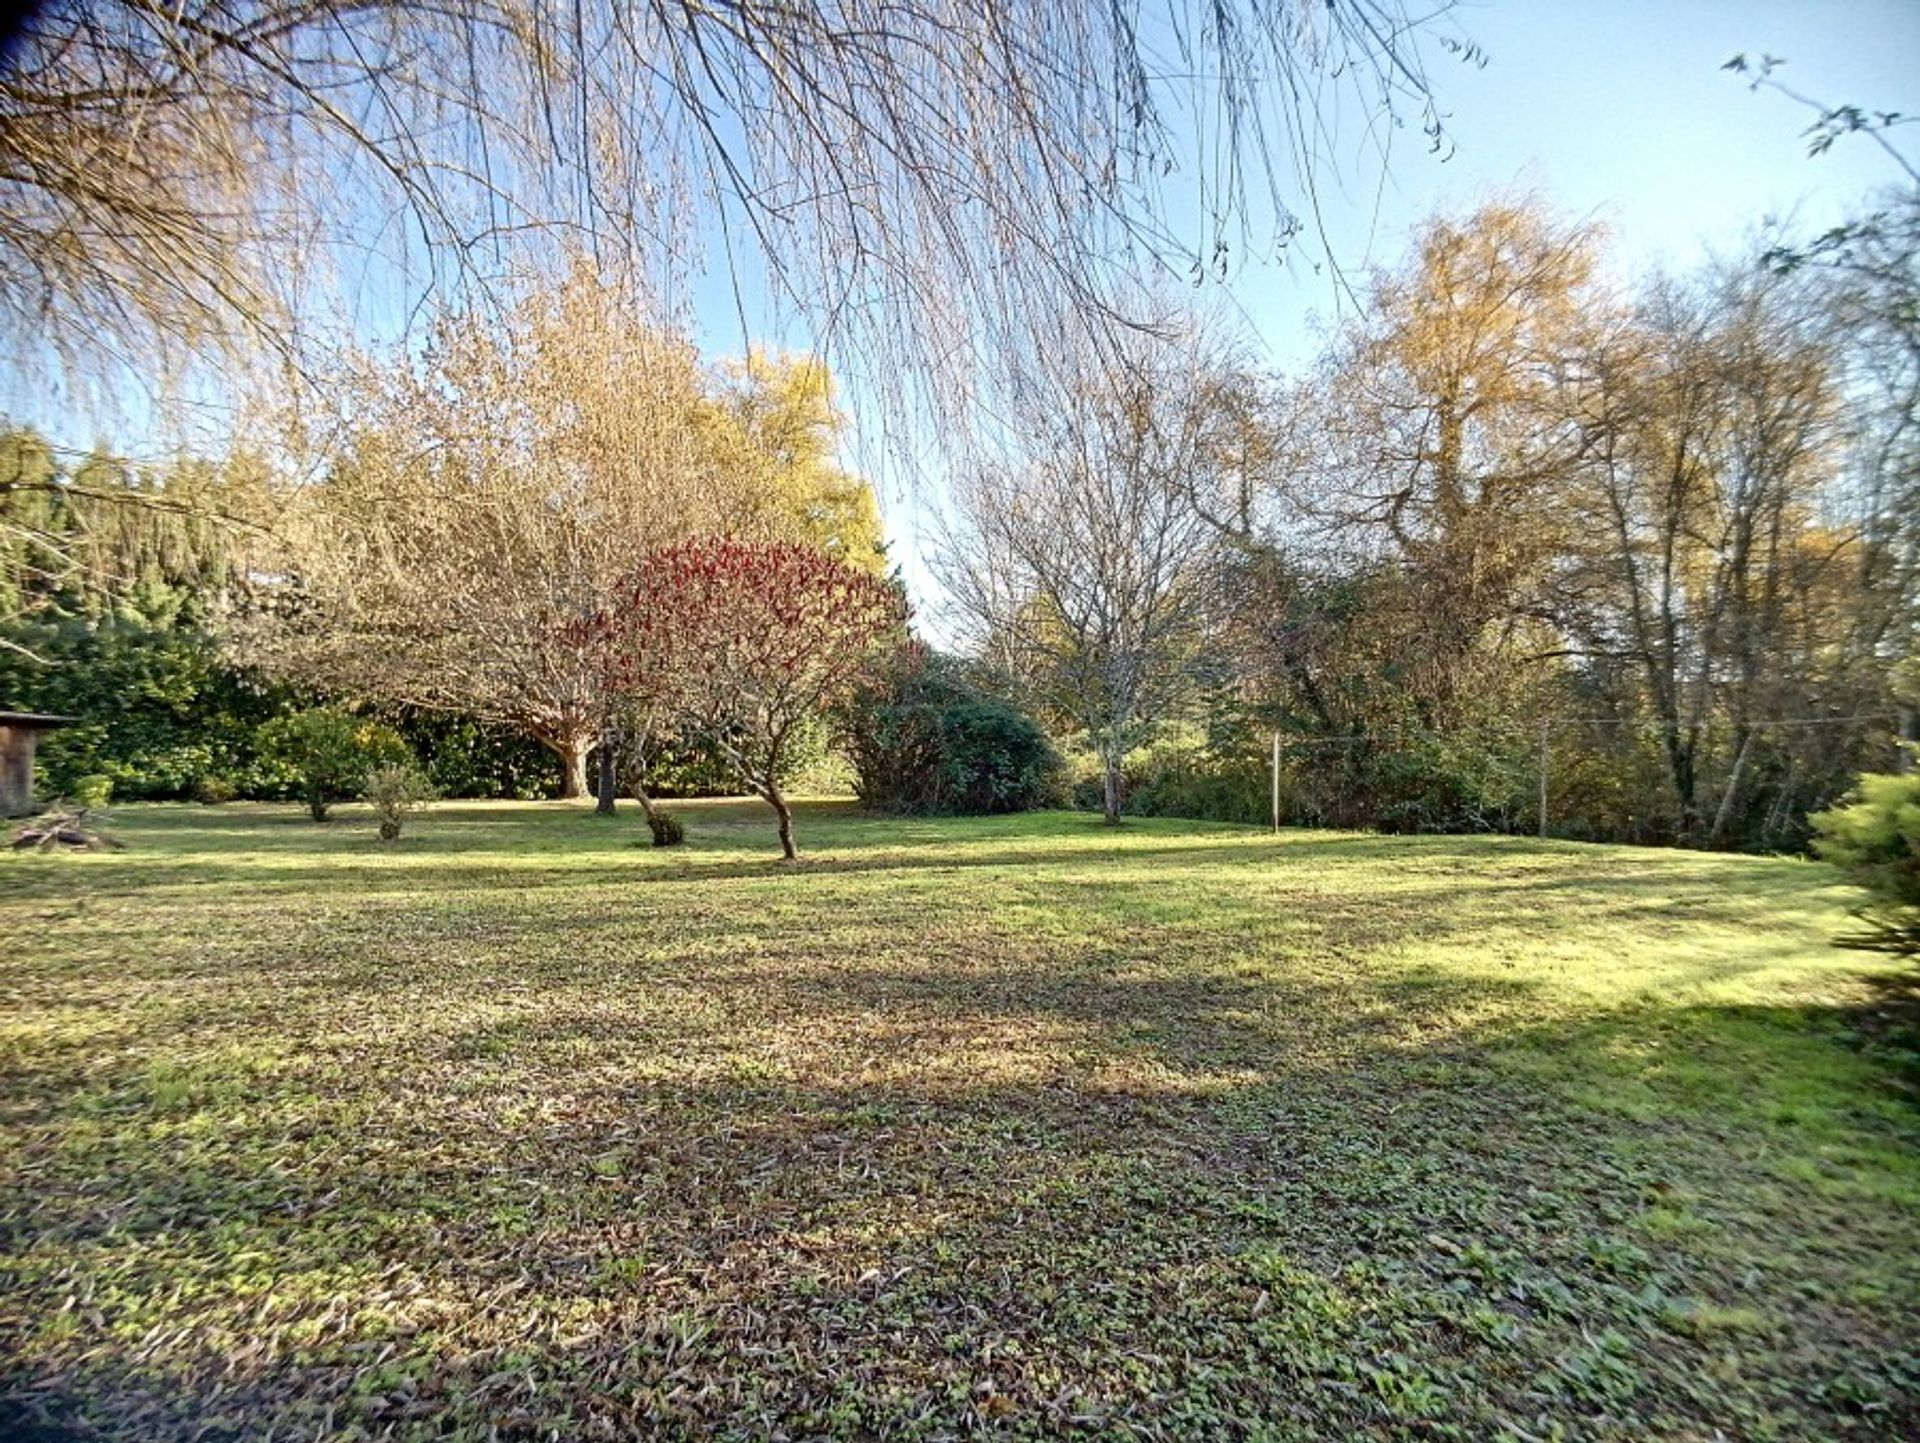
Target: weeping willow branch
(933, 185)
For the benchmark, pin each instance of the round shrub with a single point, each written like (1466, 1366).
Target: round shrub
(923, 742)
(326, 754)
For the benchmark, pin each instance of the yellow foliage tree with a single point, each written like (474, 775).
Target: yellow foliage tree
(484, 502)
(774, 421)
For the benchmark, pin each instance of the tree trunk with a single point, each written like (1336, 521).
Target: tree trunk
(764, 782)
(608, 784)
(778, 801)
(1724, 815)
(572, 752)
(1782, 808)
(1112, 799)
(1680, 769)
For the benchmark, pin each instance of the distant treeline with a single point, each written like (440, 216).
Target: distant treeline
(116, 578)
(1648, 549)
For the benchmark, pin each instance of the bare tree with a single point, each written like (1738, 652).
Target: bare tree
(1711, 418)
(1082, 565)
(1870, 273)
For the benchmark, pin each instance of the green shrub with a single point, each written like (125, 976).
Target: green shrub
(157, 703)
(1474, 780)
(1222, 772)
(1001, 760)
(396, 790)
(91, 792)
(666, 828)
(1873, 837)
(1179, 775)
(326, 754)
(213, 789)
(923, 742)
(468, 758)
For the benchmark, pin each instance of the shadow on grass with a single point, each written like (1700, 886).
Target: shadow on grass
(1198, 1208)
(532, 1172)
(21, 1422)
(1886, 1026)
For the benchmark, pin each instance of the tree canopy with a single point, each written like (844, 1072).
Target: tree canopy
(487, 498)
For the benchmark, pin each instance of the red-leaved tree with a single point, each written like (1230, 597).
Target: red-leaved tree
(742, 641)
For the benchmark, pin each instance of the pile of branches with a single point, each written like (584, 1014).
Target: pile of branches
(64, 828)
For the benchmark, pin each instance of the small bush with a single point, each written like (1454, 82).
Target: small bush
(666, 828)
(327, 754)
(91, 792)
(1873, 837)
(924, 742)
(211, 789)
(396, 790)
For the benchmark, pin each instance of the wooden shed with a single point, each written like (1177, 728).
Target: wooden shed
(19, 736)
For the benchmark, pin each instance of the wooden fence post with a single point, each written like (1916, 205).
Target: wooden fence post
(1543, 777)
(1276, 782)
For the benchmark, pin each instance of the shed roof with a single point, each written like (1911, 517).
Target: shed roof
(35, 719)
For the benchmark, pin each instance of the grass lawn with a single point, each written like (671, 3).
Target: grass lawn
(1009, 1127)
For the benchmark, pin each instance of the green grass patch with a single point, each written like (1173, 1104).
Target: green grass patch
(519, 1128)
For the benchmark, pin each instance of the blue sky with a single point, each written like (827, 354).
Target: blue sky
(1615, 110)
(1618, 110)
